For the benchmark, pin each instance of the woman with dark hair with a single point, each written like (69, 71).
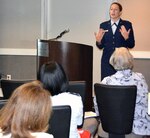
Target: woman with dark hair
(54, 79)
(27, 113)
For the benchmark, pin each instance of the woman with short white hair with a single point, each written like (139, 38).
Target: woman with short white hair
(122, 61)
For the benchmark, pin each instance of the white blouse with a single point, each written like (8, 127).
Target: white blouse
(76, 105)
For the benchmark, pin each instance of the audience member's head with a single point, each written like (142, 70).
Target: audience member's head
(53, 77)
(27, 110)
(121, 59)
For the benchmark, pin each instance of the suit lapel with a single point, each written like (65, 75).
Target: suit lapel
(109, 27)
(120, 23)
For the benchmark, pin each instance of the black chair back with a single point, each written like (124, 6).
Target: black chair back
(2, 103)
(80, 88)
(116, 106)
(8, 86)
(59, 124)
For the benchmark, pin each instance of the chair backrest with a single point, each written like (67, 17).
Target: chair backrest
(149, 103)
(8, 86)
(116, 106)
(59, 124)
(2, 103)
(80, 88)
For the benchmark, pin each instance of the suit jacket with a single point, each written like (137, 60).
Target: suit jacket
(111, 41)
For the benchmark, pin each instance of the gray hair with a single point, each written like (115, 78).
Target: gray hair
(121, 59)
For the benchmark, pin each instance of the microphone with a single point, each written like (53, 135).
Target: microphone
(61, 34)
(64, 32)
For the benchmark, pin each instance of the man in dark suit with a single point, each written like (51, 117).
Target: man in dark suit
(112, 34)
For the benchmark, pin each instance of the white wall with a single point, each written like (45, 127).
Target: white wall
(138, 13)
(20, 23)
(82, 17)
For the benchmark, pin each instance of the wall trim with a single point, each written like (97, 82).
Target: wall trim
(13, 51)
(141, 54)
(33, 52)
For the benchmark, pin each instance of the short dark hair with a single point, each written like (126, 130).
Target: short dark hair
(54, 78)
(119, 5)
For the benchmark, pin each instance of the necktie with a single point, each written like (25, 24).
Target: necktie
(114, 27)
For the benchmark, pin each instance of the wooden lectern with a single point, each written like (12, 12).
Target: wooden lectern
(76, 59)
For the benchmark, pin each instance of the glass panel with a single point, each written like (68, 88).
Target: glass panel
(20, 23)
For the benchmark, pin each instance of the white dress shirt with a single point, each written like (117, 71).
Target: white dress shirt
(76, 105)
(114, 25)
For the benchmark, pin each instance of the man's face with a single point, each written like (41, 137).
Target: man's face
(114, 12)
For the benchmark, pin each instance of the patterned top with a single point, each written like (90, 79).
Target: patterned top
(141, 123)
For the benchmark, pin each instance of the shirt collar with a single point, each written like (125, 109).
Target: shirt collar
(117, 22)
(124, 73)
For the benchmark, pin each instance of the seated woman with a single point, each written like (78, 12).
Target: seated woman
(54, 79)
(122, 61)
(27, 113)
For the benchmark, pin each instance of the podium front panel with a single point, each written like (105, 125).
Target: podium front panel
(76, 59)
